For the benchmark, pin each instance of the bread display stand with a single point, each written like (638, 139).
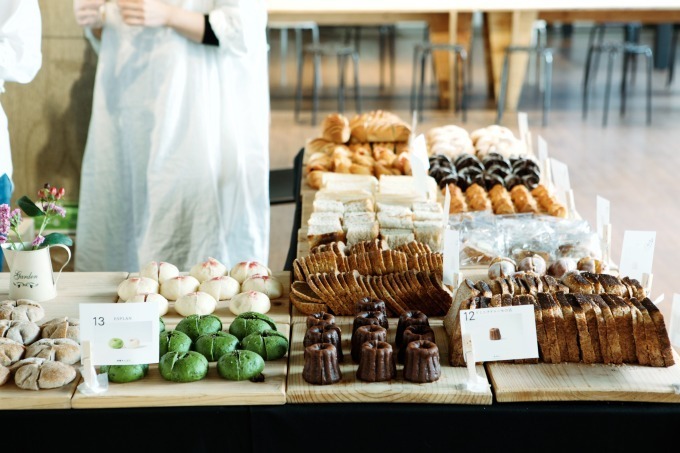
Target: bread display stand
(154, 391)
(450, 388)
(13, 397)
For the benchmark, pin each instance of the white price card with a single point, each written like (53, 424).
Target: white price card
(451, 256)
(420, 164)
(602, 210)
(501, 333)
(542, 149)
(560, 178)
(121, 334)
(447, 206)
(675, 321)
(523, 126)
(637, 254)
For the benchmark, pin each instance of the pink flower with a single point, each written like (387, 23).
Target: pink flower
(37, 241)
(4, 219)
(15, 218)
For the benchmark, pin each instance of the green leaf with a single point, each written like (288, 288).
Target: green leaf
(29, 208)
(57, 238)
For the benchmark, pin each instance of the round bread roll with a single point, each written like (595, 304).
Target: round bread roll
(37, 374)
(63, 327)
(175, 287)
(208, 269)
(136, 285)
(221, 288)
(250, 301)
(265, 284)
(10, 351)
(24, 332)
(62, 350)
(159, 271)
(241, 271)
(195, 303)
(21, 310)
(152, 297)
(4, 375)
(335, 128)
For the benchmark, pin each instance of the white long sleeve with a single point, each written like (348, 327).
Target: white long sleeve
(20, 40)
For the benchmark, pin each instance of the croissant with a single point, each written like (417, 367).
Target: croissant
(319, 145)
(335, 128)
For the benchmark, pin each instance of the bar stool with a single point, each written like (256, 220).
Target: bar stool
(612, 50)
(317, 52)
(630, 33)
(299, 28)
(545, 85)
(421, 52)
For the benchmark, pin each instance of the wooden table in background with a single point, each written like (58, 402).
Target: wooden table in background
(451, 22)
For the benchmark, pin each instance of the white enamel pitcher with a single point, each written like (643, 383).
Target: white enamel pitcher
(30, 272)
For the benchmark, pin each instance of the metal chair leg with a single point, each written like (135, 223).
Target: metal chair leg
(547, 93)
(624, 80)
(610, 66)
(392, 40)
(650, 63)
(421, 92)
(414, 78)
(341, 83)
(586, 80)
(298, 89)
(671, 58)
(315, 87)
(382, 52)
(357, 92)
(504, 82)
(464, 85)
(283, 36)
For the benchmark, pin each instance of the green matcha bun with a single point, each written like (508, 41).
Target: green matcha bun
(173, 340)
(197, 325)
(250, 322)
(215, 345)
(270, 344)
(161, 327)
(115, 343)
(240, 365)
(183, 366)
(125, 373)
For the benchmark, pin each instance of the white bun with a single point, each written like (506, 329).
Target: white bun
(241, 271)
(195, 303)
(174, 288)
(150, 297)
(208, 269)
(221, 288)
(250, 301)
(264, 284)
(135, 285)
(159, 271)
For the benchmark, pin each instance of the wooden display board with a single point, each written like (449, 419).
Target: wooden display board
(582, 382)
(154, 391)
(13, 397)
(448, 389)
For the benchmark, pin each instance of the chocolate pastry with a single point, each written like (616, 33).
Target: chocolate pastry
(320, 318)
(499, 170)
(468, 160)
(364, 334)
(512, 181)
(421, 362)
(531, 181)
(414, 333)
(326, 333)
(376, 362)
(449, 179)
(406, 319)
(321, 364)
(369, 304)
(365, 318)
(490, 180)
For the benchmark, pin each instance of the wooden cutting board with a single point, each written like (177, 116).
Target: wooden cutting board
(582, 382)
(449, 389)
(154, 391)
(13, 397)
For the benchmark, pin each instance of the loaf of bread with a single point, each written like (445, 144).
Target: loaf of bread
(37, 374)
(335, 128)
(21, 310)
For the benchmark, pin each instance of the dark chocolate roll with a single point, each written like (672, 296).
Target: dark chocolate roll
(406, 319)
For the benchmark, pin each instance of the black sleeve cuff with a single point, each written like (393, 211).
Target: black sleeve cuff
(209, 37)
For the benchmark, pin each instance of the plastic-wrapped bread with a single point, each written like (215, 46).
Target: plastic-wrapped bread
(336, 128)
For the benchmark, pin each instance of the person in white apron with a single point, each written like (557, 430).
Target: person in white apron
(176, 164)
(20, 61)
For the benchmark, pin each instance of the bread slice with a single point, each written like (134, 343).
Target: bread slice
(546, 303)
(304, 292)
(639, 333)
(306, 307)
(601, 329)
(570, 328)
(653, 343)
(545, 354)
(590, 352)
(613, 342)
(577, 283)
(635, 288)
(661, 332)
(624, 325)
(612, 285)
(456, 355)
(560, 327)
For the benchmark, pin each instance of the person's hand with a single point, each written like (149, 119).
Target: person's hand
(89, 13)
(148, 13)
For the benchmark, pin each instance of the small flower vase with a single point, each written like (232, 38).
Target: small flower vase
(30, 272)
